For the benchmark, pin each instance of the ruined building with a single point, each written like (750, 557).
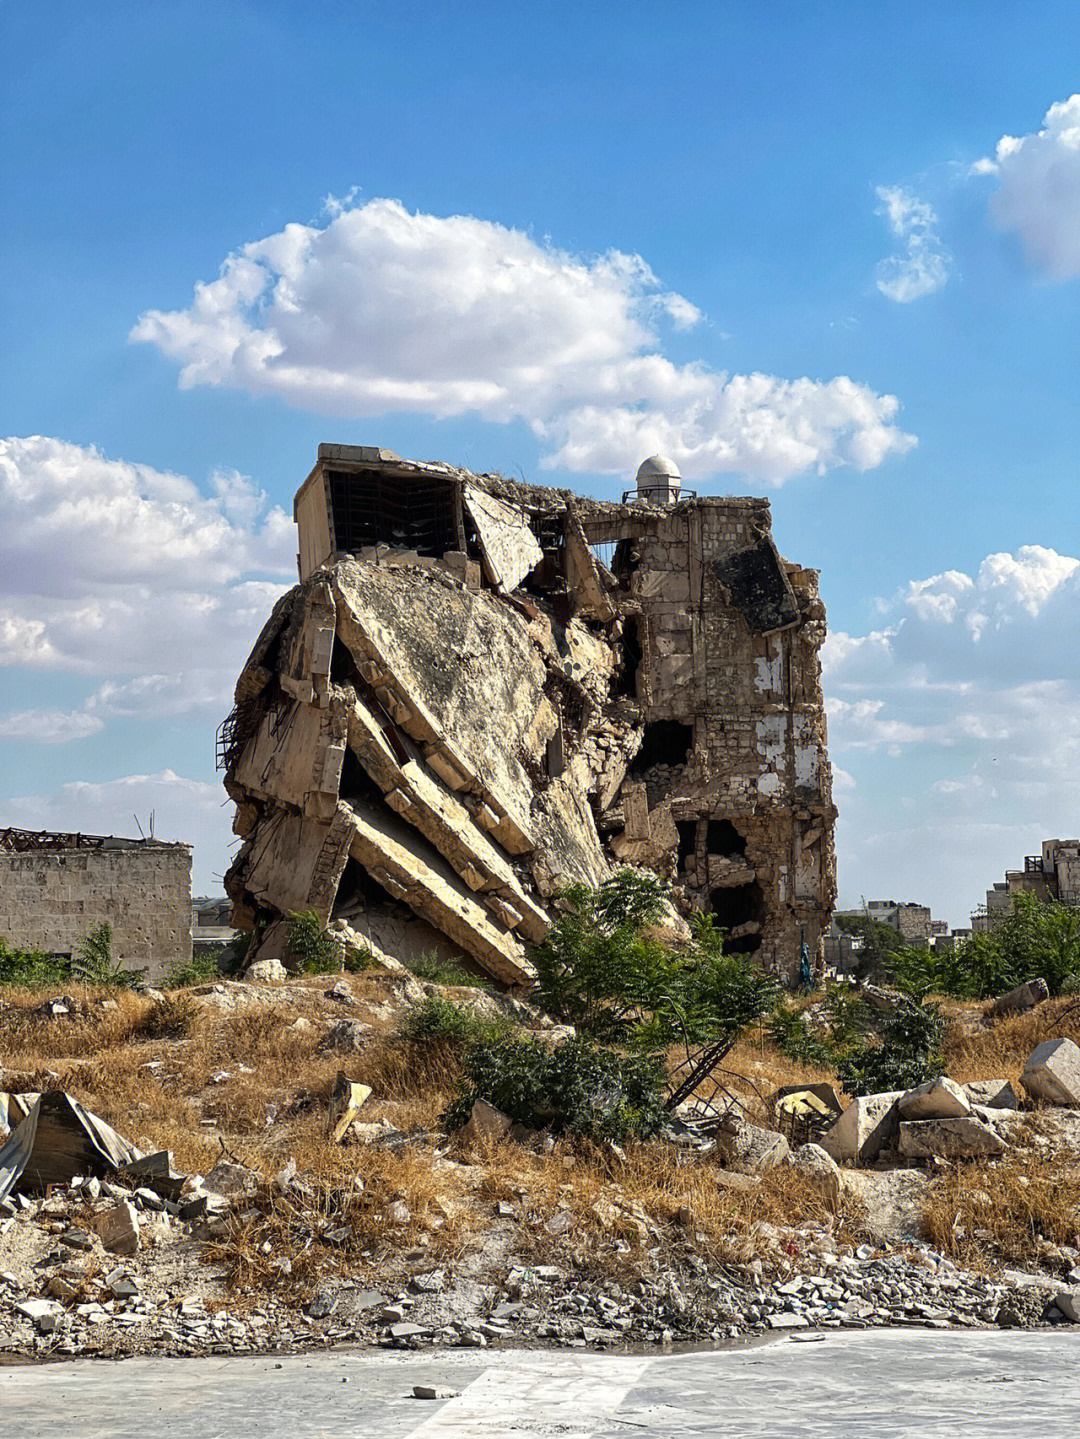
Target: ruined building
(482, 690)
(56, 888)
(1052, 875)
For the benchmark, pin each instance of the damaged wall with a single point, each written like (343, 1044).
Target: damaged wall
(56, 888)
(460, 709)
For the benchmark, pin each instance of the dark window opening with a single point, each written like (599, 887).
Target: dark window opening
(371, 507)
(625, 683)
(722, 837)
(687, 839)
(665, 742)
(357, 892)
(342, 665)
(740, 904)
(356, 784)
(624, 561)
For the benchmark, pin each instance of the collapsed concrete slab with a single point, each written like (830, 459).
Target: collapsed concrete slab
(482, 691)
(993, 1093)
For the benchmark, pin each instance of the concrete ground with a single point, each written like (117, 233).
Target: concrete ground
(885, 1383)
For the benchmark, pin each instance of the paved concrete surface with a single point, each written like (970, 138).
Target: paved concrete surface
(936, 1385)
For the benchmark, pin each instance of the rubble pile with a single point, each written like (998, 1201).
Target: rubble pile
(462, 708)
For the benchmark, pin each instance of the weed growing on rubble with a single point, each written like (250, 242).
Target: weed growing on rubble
(434, 970)
(436, 1019)
(910, 1052)
(575, 1088)
(603, 970)
(310, 945)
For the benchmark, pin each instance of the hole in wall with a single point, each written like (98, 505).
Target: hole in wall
(625, 684)
(735, 906)
(664, 742)
(356, 784)
(721, 837)
(687, 839)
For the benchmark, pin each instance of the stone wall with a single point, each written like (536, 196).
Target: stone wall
(52, 899)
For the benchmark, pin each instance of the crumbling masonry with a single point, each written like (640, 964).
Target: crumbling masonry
(481, 691)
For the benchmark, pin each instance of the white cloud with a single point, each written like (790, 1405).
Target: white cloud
(1039, 193)
(49, 726)
(184, 809)
(968, 703)
(924, 264)
(382, 311)
(122, 573)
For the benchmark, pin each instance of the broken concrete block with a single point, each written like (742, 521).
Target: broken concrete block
(865, 1128)
(485, 1124)
(1023, 997)
(936, 1099)
(46, 1314)
(740, 1183)
(1052, 1073)
(992, 1093)
(345, 1105)
(963, 1137)
(752, 1148)
(1068, 1301)
(266, 971)
(118, 1228)
(812, 1162)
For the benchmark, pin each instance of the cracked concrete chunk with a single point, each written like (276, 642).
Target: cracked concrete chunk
(1052, 1073)
(864, 1129)
(962, 1137)
(936, 1099)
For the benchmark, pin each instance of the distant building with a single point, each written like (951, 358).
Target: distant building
(913, 922)
(1052, 875)
(56, 888)
(210, 926)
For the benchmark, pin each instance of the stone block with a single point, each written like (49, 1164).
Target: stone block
(118, 1228)
(1023, 997)
(936, 1099)
(963, 1137)
(865, 1128)
(992, 1093)
(1052, 1073)
(812, 1162)
(752, 1148)
(485, 1124)
(1068, 1301)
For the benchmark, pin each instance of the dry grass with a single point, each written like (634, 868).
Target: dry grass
(1003, 1210)
(149, 1069)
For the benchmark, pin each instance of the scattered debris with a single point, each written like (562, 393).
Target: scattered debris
(345, 1105)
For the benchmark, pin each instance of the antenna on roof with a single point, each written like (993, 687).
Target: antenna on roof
(151, 824)
(135, 817)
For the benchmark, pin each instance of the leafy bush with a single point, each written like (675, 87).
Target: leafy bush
(601, 970)
(31, 968)
(313, 948)
(789, 1031)
(430, 967)
(1037, 939)
(94, 962)
(438, 1019)
(199, 969)
(909, 1053)
(575, 1088)
(847, 1014)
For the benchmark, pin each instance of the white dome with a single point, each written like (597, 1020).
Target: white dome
(658, 467)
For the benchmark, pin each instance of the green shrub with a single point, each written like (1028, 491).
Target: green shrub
(94, 962)
(434, 970)
(789, 1031)
(30, 968)
(575, 1088)
(437, 1019)
(601, 970)
(311, 946)
(909, 1052)
(199, 969)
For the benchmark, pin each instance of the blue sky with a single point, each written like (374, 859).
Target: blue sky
(787, 242)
